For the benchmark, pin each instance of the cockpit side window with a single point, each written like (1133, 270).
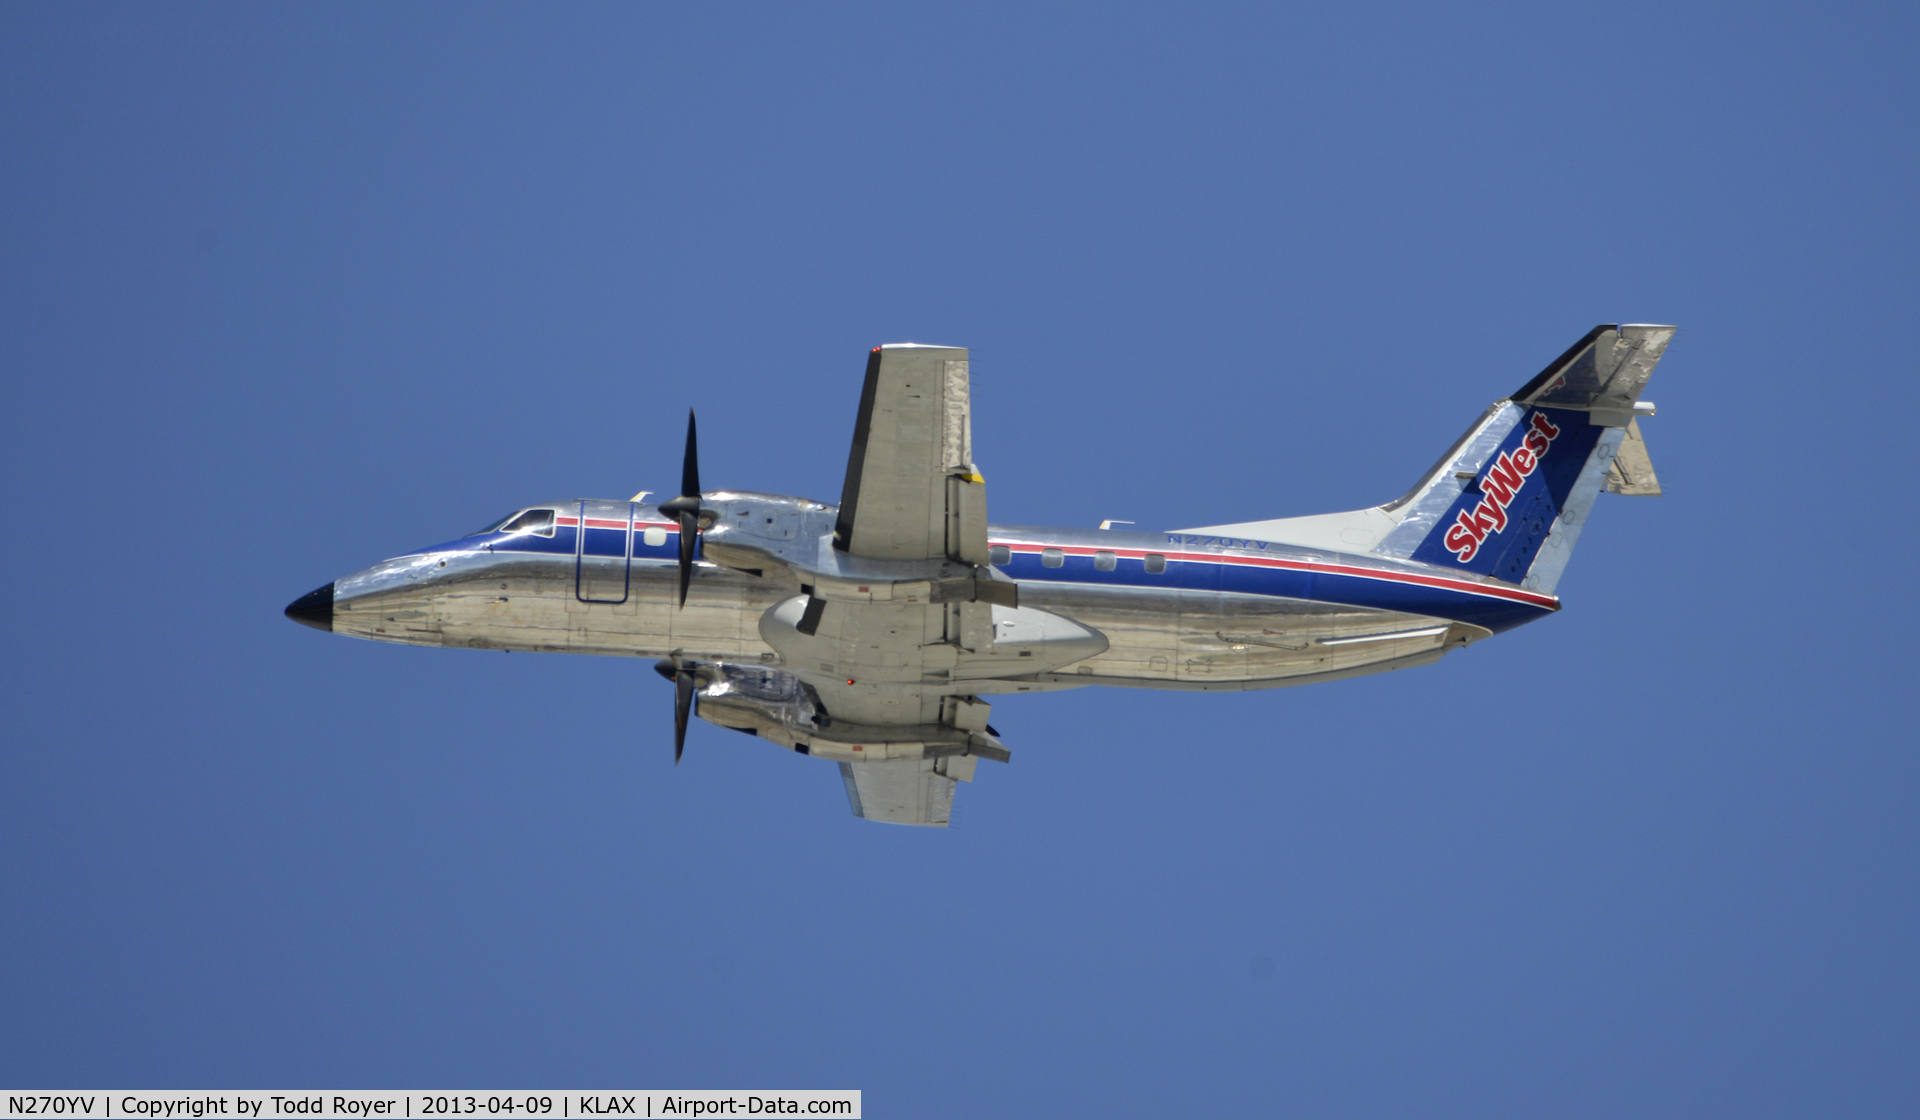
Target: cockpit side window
(537, 521)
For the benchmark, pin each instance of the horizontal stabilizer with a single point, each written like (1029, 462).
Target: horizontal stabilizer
(1603, 372)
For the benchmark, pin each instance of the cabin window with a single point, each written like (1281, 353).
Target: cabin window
(1052, 557)
(654, 537)
(1156, 563)
(999, 555)
(1103, 561)
(536, 521)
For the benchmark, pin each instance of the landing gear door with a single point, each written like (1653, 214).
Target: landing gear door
(602, 564)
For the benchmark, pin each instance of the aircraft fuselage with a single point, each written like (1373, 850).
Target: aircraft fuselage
(1159, 610)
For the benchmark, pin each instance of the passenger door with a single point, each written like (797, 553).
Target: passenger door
(604, 557)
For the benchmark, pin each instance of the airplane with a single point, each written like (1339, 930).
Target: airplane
(873, 633)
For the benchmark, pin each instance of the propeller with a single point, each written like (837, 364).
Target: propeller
(685, 688)
(686, 509)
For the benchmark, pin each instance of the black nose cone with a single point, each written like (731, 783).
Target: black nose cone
(314, 609)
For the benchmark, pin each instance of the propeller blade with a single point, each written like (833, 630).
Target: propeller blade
(686, 507)
(690, 466)
(689, 527)
(682, 708)
(685, 692)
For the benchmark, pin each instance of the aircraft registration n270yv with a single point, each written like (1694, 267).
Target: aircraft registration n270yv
(874, 632)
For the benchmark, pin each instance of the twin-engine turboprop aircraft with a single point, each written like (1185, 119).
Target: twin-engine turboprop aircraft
(872, 633)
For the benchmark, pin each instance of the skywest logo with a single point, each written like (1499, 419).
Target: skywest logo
(1502, 481)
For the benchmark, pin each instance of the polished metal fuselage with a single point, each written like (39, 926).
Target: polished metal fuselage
(1176, 611)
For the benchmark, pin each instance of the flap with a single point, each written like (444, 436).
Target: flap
(899, 791)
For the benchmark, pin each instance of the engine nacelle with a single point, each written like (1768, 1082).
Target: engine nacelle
(783, 709)
(760, 700)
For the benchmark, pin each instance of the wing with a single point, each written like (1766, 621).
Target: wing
(902, 791)
(912, 491)
(912, 495)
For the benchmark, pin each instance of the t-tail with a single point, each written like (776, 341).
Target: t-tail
(1510, 498)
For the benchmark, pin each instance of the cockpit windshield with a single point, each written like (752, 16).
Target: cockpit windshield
(533, 521)
(493, 526)
(522, 521)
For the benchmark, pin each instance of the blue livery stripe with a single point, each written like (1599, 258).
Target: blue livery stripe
(1494, 607)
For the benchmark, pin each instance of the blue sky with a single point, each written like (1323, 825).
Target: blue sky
(290, 290)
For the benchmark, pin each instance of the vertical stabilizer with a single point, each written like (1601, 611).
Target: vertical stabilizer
(1511, 500)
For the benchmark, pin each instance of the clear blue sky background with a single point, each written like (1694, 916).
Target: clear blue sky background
(289, 290)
